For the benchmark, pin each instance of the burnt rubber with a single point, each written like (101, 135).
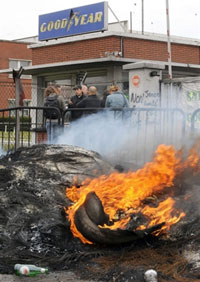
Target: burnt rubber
(91, 214)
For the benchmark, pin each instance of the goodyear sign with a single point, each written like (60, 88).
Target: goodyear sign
(74, 21)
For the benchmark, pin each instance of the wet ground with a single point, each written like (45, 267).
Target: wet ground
(52, 277)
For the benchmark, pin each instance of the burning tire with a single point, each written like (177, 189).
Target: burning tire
(90, 216)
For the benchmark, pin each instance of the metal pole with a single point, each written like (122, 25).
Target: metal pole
(17, 122)
(168, 42)
(131, 23)
(16, 76)
(142, 16)
(117, 19)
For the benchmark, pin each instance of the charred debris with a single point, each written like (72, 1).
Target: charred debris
(34, 227)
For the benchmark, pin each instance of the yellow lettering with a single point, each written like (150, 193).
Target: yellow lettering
(70, 22)
(63, 23)
(83, 19)
(76, 20)
(50, 26)
(98, 17)
(57, 24)
(43, 27)
(90, 18)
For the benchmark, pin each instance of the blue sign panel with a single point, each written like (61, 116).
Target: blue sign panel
(73, 21)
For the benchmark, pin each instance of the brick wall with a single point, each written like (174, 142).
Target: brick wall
(133, 48)
(80, 50)
(156, 50)
(12, 50)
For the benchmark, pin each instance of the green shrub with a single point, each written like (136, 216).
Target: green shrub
(12, 119)
(8, 123)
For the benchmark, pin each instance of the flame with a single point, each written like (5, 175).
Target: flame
(162, 213)
(127, 192)
(193, 158)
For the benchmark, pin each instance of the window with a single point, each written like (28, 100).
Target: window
(16, 64)
(26, 102)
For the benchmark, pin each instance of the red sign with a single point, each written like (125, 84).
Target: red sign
(136, 80)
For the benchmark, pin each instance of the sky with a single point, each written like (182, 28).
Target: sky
(19, 19)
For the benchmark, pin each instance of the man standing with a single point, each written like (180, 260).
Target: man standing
(74, 100)
(84, 89)
(91, 101)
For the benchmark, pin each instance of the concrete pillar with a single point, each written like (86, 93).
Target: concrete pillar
(114, 75)
(38, 84)
(144, 84)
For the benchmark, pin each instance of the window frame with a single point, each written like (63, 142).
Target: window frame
(11, 103)
(23, 76)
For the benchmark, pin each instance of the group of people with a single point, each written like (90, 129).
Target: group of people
(88, 98)
(84, 98)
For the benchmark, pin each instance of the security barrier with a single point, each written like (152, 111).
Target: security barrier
(132, 134)
(129, 134)
(195, 121)
(26, 131)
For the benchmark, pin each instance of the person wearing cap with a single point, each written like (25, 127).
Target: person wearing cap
(74, 100)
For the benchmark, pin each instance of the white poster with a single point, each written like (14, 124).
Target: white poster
(189, 99)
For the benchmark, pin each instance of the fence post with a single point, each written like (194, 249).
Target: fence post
(17, 121)
(16, 77)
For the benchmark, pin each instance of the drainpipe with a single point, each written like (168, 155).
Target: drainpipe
(122, 46)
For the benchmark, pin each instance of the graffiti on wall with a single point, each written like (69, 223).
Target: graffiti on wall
(192, 102)
(146, 99)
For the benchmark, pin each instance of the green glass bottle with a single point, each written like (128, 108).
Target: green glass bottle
(29, 270)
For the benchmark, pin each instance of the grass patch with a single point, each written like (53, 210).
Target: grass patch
(6, 135)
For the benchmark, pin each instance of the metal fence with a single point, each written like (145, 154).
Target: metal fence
(151, 127)
(134, 133)
(34, 94)
(137, 136)
(31, 124)
(195, 122)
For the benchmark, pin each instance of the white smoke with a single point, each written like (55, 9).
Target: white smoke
(2, 152)
(131, 141)
(101, 133)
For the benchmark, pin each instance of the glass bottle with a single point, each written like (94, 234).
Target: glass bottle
(29, 270)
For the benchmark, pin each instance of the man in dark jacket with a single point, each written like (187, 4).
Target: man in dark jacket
(74, 100)
(91, 101)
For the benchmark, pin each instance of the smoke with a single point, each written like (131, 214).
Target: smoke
(129, 141)
(2, 153)
(100, 132)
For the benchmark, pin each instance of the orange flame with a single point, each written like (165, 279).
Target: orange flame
(127, 192)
